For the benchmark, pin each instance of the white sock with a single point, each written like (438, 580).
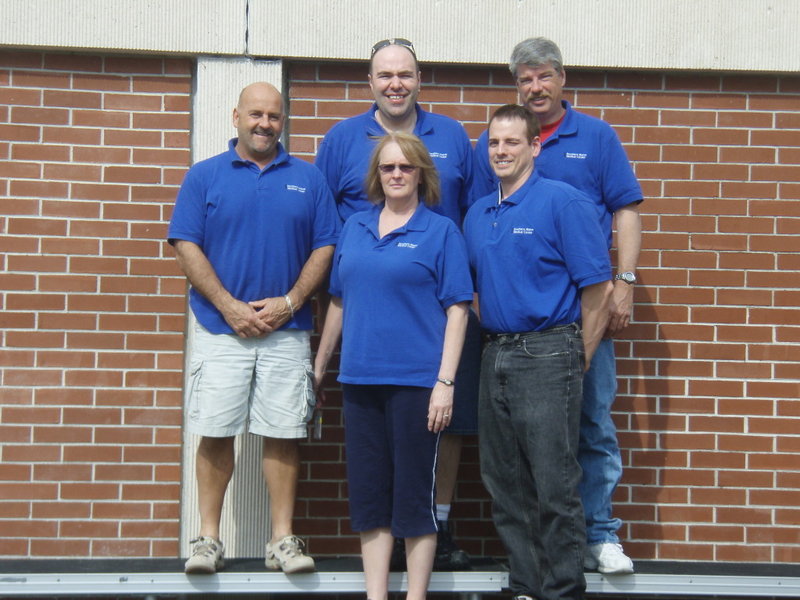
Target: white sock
(442, 512)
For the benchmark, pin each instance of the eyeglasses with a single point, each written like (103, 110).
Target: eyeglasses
(389, 169)
(393, 42)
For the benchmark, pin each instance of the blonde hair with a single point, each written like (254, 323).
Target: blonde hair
(417, 155)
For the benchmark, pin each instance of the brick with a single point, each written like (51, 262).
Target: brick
(28, 491)
(59, 548)
(717, 533)
(89, 453)
(31, 415)
(773, 535)
(73, 62)
(743, 553)
(133, 491)
(71, 135)
(122, 473)
(113, 174)
(119, 510)
(60, 510)
(132, 138)
(89, 529)
(150, 529)
(90, 491)
(100, 118)
(62, 472)
(93, 378)
(687, 477)
(159, 157)
(64, 397)
(28, 529)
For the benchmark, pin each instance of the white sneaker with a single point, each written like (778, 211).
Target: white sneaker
(608, 558)
(207, 557)
(288, 555)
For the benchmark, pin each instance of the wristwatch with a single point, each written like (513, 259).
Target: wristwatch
(628, 277)
(447, 382)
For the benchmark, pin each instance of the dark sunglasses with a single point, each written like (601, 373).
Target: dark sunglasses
(389, 169)
(393, 42)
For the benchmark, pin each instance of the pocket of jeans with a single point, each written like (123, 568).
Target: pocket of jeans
(580, 350)
(539, 353)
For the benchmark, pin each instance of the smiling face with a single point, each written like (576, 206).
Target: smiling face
(511, 152)
(394, 81)
(397, 180)
(259, 120)
(540, 89)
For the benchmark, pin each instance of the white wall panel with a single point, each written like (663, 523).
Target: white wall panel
(657, 34)
(746, 35)
(173, 26)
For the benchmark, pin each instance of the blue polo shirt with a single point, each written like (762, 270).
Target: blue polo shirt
(586, 153)
(256, 227)
(344, 153)
(395, 291)
(532, 253)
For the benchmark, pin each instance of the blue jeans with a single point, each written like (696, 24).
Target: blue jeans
(529, 418)
(598, 451)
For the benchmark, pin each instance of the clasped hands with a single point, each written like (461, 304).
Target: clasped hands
(257, 318)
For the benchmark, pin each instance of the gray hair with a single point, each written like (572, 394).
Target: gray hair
(535, 52)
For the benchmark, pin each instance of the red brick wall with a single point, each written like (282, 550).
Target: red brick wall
(91, 151)
(707, 407)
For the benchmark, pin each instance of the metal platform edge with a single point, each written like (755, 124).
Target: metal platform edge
(669, 584)
(87, 584)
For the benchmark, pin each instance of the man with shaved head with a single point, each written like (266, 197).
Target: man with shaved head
(254, 230)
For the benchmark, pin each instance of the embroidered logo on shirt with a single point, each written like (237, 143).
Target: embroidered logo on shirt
(578, 155)
(522, 230)
(438, 154)
(295, 188)
(406, 245)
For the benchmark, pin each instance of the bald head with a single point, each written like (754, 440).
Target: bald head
(259, 90)
(259, 119)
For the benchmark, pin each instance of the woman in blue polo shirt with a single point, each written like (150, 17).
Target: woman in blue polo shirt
(400, 288)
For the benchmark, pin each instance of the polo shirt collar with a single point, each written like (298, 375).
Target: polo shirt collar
(522, 192)
(423, 125)
(569, 126)
(419, 221)
(281, 157)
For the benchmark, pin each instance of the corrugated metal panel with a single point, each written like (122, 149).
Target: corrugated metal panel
(748, 35)
(648, 34)
(173, 26)
(245, 526)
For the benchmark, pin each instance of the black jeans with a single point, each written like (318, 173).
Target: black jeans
(529, 419)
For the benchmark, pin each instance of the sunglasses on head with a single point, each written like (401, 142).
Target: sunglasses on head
(393, 42)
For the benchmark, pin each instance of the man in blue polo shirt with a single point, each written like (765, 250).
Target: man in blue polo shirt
(394, 78)
(254, 231)
(586, 153)
(542, 277)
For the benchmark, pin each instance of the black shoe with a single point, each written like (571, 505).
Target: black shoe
(398, 560)
(449, 557)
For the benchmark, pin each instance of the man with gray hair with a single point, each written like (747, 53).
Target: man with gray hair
(586, 153)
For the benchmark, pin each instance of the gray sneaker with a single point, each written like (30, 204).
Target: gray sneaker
(288, 555)
(207, 557)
